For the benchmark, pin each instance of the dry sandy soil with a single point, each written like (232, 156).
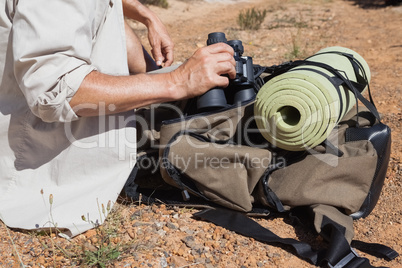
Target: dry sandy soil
(137, 235)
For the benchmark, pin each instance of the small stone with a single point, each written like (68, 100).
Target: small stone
(161, 233)
(136, 215)
(178, 261)
(90, 233)
(163, 262)
(59, 259)
(189, 232)
(189, 241)
(131, 233)
(182, 251)
(226, 236)
(173, 226)
(251, 261)
(89, 247)
(200, 260)
(159, 225)
(41, 260)
(139, 224)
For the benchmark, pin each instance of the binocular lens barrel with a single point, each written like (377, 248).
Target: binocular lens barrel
(217, 37)
(214, 98)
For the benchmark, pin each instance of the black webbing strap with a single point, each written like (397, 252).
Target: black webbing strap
(375, 249)
(356, 88)
(338, 255)
(241, 224)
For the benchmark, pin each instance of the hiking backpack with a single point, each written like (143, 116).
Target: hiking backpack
(221, 161)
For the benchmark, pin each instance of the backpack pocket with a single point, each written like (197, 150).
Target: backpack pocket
(204, 155)
(325, 178)
(221, 172)
(349, 178)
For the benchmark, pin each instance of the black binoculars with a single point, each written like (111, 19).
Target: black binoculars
(240, 89)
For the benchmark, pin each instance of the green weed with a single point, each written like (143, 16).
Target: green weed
(103, 250)
(295, 51)
(251, 19)
(159, 3)
(104, 255)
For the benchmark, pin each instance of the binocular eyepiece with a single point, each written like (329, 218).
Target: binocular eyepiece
(240, 89)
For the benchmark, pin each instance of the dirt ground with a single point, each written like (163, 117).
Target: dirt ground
(137, 235)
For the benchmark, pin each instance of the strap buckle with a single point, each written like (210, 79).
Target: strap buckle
(345, 260)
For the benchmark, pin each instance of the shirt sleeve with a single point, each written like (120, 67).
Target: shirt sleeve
(52, 45)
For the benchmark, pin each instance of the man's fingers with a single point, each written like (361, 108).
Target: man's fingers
(225, 68)
(222, 81)
(157, 54)
(220, 48)
(224, 57)
(168, 53)
(225, 64)
(231, 72)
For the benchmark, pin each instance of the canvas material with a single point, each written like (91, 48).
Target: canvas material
(320, 211)
(226, 174)
(328, 179)
(329, 185)
(222, 169)
(325, 178)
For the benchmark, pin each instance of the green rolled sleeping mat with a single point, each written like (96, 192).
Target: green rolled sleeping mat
(298, 109)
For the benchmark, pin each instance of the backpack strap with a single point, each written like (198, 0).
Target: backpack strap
(338, 255)
(339, 78)
(241, 224)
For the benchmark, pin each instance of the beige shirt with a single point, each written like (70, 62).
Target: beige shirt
(46, 50)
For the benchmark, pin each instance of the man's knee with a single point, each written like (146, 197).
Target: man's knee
(139, 61)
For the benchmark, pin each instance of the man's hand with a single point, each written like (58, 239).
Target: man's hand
(204, 70)
(162, 45)
(159, 39)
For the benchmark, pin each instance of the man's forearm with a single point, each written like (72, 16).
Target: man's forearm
(133, 9)
(199, 73)
(104, 94)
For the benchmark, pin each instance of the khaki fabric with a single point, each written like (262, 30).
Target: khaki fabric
(324, 178)
(334, 214)
(46, 50)
(224, 171)
(211, 158)
(327, 179)
(225, 174)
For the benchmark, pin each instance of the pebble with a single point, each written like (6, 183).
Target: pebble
(159, 225)
(131, 233)
(163, 262)
(173, 226)
(178, 261)
(161, 233)
(90, 233)
(89, 247)
(41, 260)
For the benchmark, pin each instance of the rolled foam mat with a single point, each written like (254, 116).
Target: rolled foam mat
(298, 109)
